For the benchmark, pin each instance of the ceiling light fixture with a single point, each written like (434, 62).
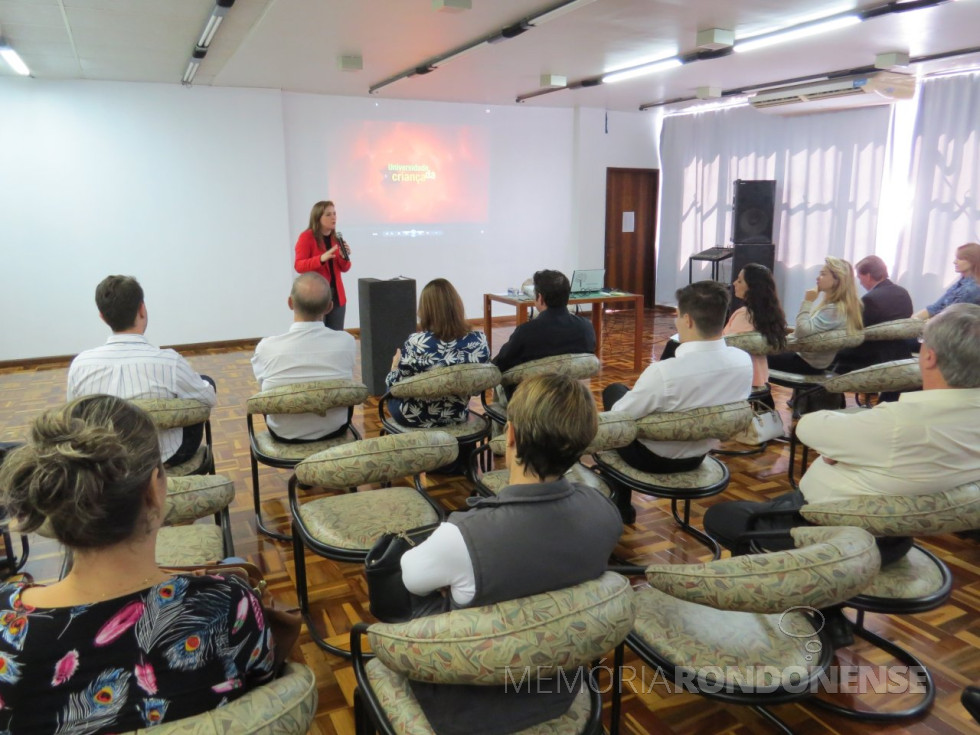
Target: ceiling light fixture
(13, 58)
(218, 13)
(641, 70)
(557, 11)
(795, 32)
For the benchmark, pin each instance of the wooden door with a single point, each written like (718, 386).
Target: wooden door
(631, 204)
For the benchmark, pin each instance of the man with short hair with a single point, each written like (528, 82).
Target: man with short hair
(554, 331)
(128, 366)
(705, 372)
(308, 352)
(926, 442)
(539, 533)
(883, 302)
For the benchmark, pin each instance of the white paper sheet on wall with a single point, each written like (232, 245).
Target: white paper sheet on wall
(629, 222)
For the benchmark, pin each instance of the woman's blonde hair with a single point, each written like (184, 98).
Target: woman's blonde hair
(315, 214)
(971, 252)
(441, 311)
(844, 294)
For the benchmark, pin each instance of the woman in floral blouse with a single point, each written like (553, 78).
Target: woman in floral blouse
(445, 339)
(117, 644)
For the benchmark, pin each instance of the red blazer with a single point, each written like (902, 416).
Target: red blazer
(308, 259)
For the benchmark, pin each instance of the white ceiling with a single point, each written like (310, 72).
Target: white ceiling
(294, 44)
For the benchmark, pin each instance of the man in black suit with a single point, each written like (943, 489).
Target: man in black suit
(553, 332)
(883, 302)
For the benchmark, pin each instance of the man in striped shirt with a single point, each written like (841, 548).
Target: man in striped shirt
(128, 366)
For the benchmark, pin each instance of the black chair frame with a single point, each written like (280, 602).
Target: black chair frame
(492, 411)
(256, 456)
(302, 539)
(370, 717)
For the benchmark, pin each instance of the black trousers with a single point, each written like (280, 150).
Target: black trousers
(334, 319)
(791, 362)
(191, 438)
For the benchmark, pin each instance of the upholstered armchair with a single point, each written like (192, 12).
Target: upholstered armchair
(918, 582)
(616, 429)
(344, 526)
(284, 706)
(710, 478)
(176, 413)
(579, 365)
(807, 387)
(316, 397)
(181, 541)
(547, 635)
(457, 381)
(747, 630)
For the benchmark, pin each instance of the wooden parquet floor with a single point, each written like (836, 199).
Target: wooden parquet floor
(946, 639)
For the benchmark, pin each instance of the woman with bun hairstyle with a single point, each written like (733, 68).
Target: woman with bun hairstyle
(118, 644)
(966, 288)
(321, 249)
(838, 308)
(762, 313)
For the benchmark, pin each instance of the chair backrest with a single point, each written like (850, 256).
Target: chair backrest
(828, 566)
(284, 706)
(949, 511)
(895, 329)
(549, 632)
(314, 397)
(173, 413)
(712, 422)
(379, 459)
(752, 342)
(616, 429)
(197, 496)
(832, 340)
(897, 375)
(578, 365)
(462, 381)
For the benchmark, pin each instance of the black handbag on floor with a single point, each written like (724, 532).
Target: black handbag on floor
(389, 601)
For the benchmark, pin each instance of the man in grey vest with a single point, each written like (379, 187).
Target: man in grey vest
(540, 533)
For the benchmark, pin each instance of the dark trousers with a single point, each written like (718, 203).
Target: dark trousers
(728, 523)
(191, 439)
(790, 362)
(334, 319)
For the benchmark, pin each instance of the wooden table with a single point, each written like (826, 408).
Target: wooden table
(598, 302)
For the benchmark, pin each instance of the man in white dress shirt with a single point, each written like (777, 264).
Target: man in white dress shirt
(924, 443)
(308, 352)
(128, 366)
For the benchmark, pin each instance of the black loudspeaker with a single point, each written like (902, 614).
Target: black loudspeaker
(387, 310)
(743, 254)
(752, 211)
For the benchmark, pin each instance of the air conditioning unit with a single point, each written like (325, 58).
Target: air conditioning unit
(856, 90)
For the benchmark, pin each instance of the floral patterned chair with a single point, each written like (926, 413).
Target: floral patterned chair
(182, 542)
(344, 526)
(747, 630)
(916, 583)
(710, 478)
(616, 429)
(454, 381)
(579, 365)
(316, 397)
(549, 634)
(176, 413)
(284, 706)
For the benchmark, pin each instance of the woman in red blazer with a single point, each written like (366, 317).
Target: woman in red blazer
(319, 249)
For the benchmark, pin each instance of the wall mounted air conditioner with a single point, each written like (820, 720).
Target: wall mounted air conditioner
(857, 90)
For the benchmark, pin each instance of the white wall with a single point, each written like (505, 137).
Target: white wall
(200, 193)
(182, 188)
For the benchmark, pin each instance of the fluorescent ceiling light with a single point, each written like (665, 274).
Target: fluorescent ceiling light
(191, 70)
(557, 12)
(13, 59)
(452, 56)
(210, 28)
(791, 34)
(638, 71)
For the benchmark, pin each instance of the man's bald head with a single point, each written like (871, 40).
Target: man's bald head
(310, 298)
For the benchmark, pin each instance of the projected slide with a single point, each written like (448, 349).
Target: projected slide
(394, 173)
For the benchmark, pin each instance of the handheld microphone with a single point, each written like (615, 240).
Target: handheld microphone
(344, 252)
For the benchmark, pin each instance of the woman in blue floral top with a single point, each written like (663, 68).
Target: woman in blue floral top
(445, 339)
(966, 290)
(117, 644)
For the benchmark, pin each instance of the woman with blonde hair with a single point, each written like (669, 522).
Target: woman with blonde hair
(966, 289)
(118, 644)
(445, 338)
(838, 308)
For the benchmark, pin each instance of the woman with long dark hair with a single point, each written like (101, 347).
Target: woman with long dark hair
(445, 338)
(321, 249)
(762, 313)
